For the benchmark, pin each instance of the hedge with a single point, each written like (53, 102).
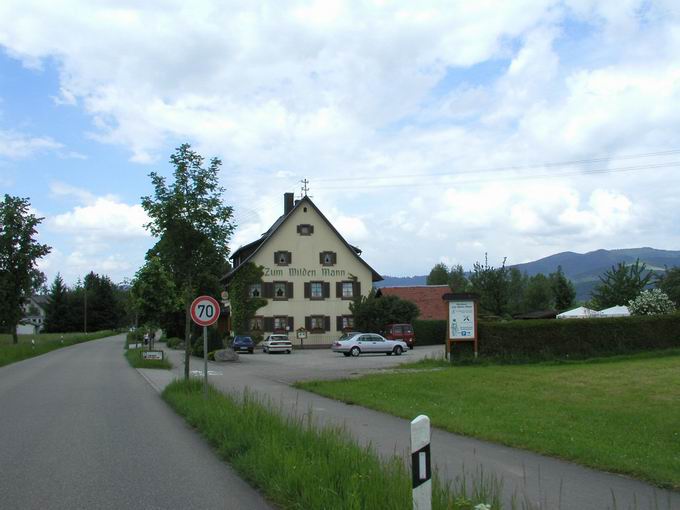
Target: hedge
(541, 340)
(429, 332)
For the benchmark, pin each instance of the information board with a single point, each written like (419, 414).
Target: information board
(462, 320)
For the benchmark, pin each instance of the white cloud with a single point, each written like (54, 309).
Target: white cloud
(14, 145)
(352, 228)
(104, 218)
(355, 95)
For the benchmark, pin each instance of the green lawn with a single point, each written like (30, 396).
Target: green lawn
(10, 353)
(620, 415)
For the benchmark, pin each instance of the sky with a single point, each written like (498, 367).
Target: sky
(428, 131)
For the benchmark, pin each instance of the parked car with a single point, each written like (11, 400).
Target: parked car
(403, 332)
(277, 343)
(243, 343)
(353, 344)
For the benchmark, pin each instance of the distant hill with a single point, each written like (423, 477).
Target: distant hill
(583, 269)
(400, 281)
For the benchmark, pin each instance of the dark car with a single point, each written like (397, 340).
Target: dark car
(243, 343)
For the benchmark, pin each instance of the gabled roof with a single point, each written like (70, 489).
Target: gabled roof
(255, 246)
(428, 299)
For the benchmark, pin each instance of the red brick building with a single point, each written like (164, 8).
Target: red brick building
(428, 298)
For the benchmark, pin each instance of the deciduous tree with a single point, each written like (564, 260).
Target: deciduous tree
(193, 225)
(19, 254)
(373, 313)
(492, 285)
(153, 293)
(458, 282)
(439, 275)
(669, 282)
(243, 305)
(651, 302)
(538, 294)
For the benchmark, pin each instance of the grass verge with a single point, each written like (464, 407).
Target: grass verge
(619, 414)
(134, 357)
(11, 353)
(299, 466)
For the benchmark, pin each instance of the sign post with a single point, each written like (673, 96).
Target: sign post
(421, 465)
(301, 334)
(205, 310)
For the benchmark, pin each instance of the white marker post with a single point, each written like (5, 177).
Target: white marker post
(420, 463)
(205, 311)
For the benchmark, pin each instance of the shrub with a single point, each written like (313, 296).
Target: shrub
(429, 332)
(174, 342)
(214, 342)
(540, 340)
(651, 302)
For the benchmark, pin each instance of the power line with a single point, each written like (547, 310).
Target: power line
(503, 168)
(671, 164)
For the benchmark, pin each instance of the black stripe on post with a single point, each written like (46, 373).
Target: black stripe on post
(419, 478)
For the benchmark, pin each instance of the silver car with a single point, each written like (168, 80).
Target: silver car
(353, 344)
(277, 343)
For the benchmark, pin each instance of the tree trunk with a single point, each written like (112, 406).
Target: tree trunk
(15, 338)
(187, 339)
(187, 328)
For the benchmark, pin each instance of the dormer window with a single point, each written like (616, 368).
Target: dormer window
(283, 258)
(305, 229)
(328, 258)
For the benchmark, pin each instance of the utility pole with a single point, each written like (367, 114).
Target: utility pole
(85, 309)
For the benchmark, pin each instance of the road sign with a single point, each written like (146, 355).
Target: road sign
(205, 310)
(154, 355)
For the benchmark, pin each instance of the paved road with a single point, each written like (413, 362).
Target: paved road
(80, 429)
(534, 480)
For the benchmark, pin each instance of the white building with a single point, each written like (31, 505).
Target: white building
(33, 320)
(311, 275)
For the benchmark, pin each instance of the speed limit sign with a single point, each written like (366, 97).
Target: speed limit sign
(205, 310)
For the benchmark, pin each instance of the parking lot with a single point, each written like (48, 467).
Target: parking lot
(305, 364)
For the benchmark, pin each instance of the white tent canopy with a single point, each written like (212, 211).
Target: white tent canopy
(615, 311)
(579, 313)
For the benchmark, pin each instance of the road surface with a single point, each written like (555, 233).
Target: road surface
(81, 429)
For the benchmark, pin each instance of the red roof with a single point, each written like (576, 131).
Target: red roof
(428, 298)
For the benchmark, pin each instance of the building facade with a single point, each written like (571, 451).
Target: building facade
(311, 275)
(33, 320)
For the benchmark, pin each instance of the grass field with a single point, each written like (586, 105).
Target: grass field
(620, 414)
(298, 466)
(10, 353)
(134, 357)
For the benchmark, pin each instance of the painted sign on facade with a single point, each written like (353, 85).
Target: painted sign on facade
(462, 320)
(303, 272)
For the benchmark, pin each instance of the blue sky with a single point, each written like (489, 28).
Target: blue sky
(422, 125)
